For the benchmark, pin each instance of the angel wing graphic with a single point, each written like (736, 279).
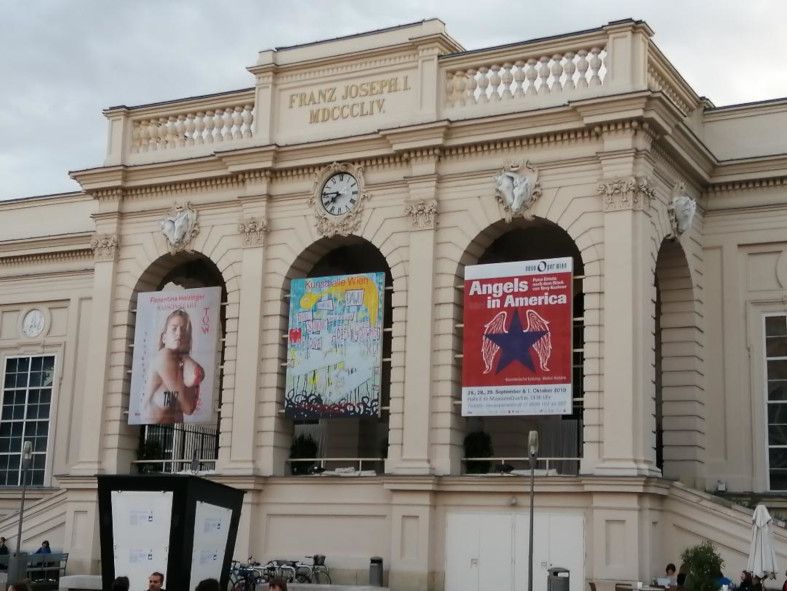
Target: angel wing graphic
(543, 346)
(488, 348)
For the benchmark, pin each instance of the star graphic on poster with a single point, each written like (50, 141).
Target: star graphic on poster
(515, 344)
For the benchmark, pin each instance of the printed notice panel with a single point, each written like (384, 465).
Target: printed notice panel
(334, 351)
(517, 338)
(173, 374)
(211, 530)
(141, 523)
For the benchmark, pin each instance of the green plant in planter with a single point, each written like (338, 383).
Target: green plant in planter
(702, 565)
(478, 444)
(303, 446)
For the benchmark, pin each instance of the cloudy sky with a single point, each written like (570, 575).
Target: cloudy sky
(63, 61)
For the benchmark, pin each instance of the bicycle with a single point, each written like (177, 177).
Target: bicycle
(281, 569)
(246, 577)
(316, 572)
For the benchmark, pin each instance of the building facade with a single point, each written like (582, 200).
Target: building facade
(672, 210)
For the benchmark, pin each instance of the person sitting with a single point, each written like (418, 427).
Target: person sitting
(681, 582)
(277, 585)
(757, 584)
(746, 581)
(669, 573)
(44, 549)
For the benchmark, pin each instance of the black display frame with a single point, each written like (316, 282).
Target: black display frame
(186, 491)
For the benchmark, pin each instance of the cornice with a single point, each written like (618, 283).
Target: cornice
(417, 136)
(663, 77)
(45, 257)
(537, 140)
(333, 66)
(760, 183)
(41, 244)
(100, 178)
(190, 186)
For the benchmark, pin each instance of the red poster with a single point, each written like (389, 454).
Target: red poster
(517, 338)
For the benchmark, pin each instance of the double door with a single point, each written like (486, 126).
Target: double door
(490, 550)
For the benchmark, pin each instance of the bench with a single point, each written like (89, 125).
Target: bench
(43, 570)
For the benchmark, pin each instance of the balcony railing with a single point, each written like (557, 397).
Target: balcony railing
(521, 465)
(177, 448)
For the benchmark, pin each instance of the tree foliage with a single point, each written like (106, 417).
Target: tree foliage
(703, 566)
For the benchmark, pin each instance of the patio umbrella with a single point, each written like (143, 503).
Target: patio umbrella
(762, 559)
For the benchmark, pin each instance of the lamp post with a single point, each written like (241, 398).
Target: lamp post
(17, 565)
(532, 451)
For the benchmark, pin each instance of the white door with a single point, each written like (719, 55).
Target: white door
(490, 550)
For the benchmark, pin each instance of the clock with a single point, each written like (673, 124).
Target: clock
(340, 194)
(33, 323)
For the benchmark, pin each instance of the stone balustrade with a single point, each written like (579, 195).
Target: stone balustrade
(288, 100)
(192, 128)
(521, 77)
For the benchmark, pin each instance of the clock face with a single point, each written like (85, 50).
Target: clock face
(339, 194)
(33, 323)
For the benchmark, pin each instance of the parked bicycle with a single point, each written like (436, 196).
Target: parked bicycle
(246, 576)
(314, 572)
(280, 569)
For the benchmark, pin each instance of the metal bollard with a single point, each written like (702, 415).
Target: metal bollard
(376, 571)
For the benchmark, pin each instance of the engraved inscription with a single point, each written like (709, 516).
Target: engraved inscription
(351, 101)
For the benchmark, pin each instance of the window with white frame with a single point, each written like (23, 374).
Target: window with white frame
(776, 383)
(27, 398)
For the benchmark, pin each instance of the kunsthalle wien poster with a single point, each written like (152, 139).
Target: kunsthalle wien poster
(173, 375)
(334, 346)
(517, 338)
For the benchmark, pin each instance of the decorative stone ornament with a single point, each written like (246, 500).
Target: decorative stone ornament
(681, 210)
(626, 193)
(252, 230)
(424, 213)
(517, 189)
(33, 323)
(104, 246)
(338, 199)
(180, 227)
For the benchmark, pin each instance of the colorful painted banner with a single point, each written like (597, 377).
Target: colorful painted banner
(173, 374)
(334, 351)
(517, 338)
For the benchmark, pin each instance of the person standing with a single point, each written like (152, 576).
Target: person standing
(277, 585)
(3, 547)
(156, 582)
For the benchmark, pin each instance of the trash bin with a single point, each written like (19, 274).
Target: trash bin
(557, 579)
(376, 571)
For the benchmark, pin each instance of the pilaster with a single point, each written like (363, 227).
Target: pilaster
(412, 518)
(104, 244)
(422, 208)
(240, 458)
(628, 317)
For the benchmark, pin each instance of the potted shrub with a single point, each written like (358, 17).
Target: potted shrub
(303, 446)
(478, 444)
(702, 565)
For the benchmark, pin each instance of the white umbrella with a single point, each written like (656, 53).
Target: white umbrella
(762, 559)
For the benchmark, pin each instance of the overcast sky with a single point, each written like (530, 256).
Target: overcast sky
(63, 61)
